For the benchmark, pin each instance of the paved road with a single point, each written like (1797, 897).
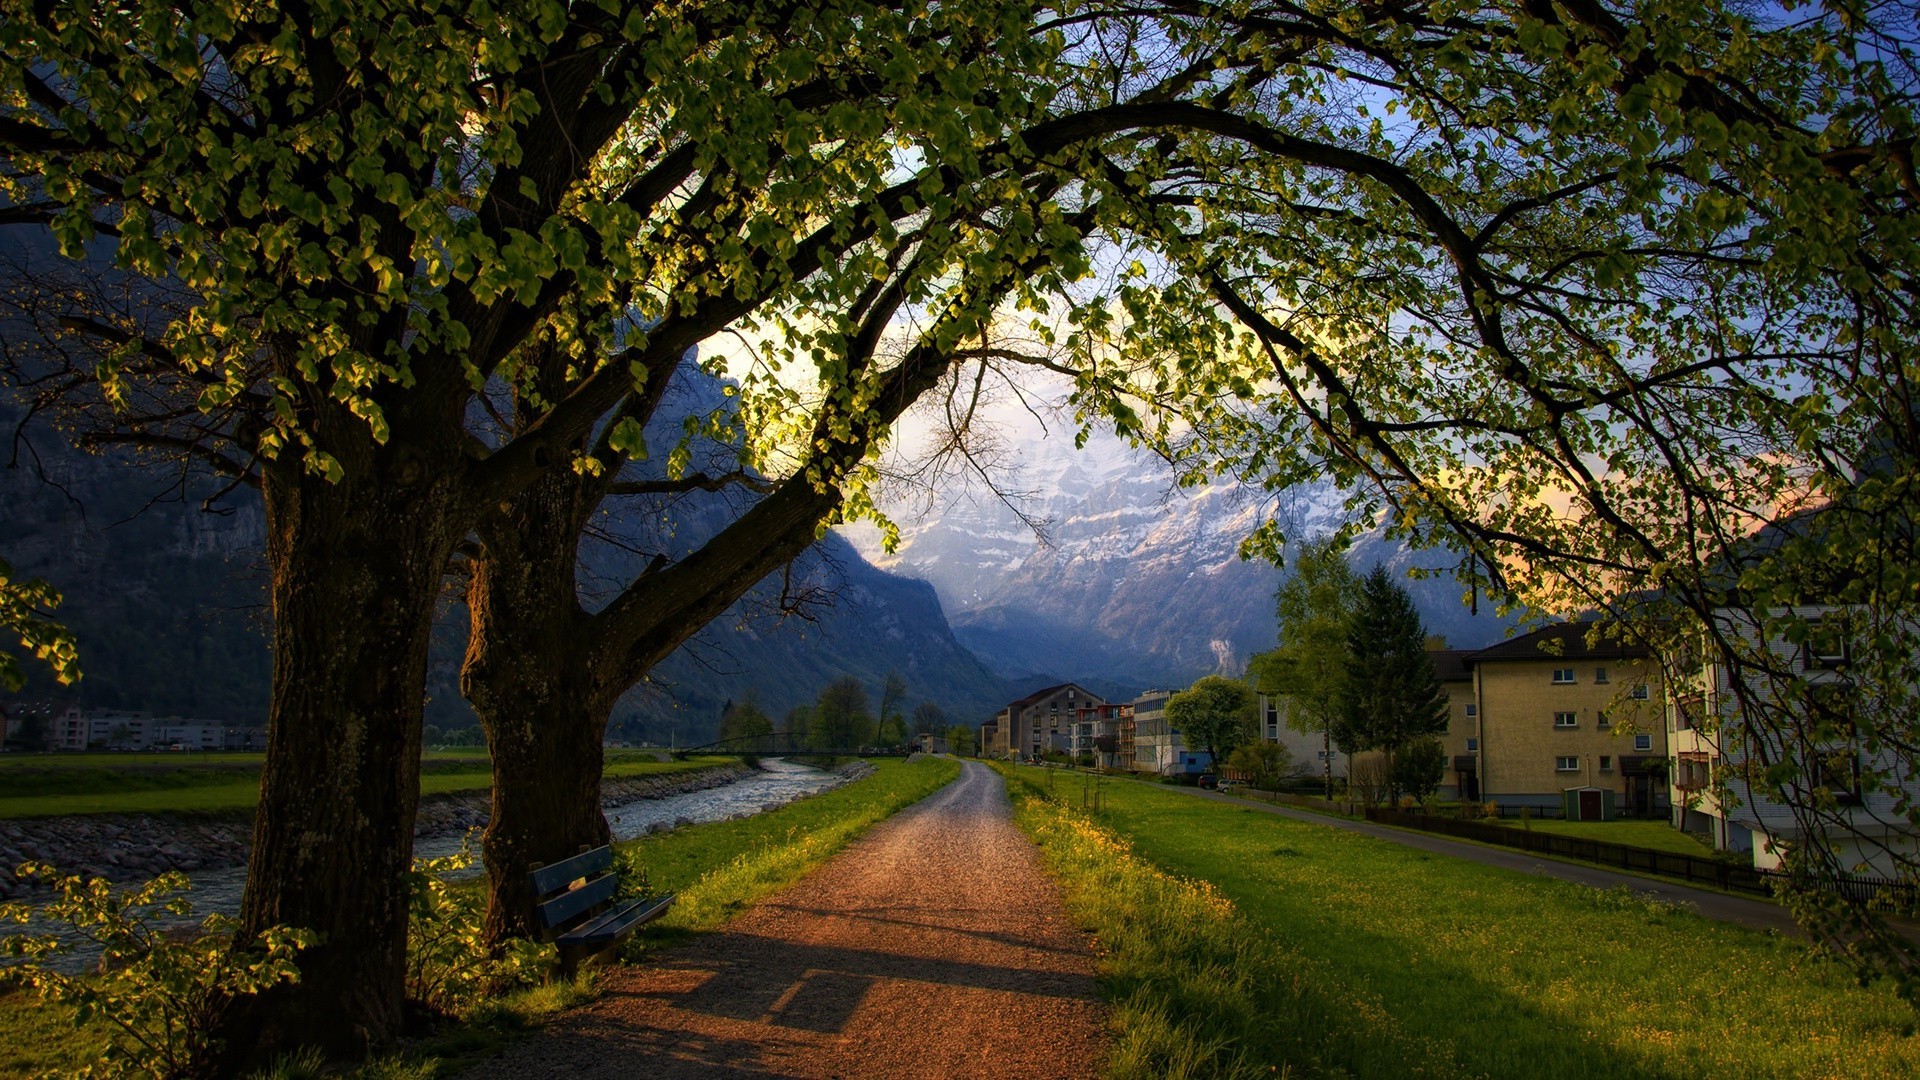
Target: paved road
(934, 946)
(1747, 911)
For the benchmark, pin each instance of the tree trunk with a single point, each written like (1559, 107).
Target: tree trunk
(357, 565)
(546, 804)
(1326, 758)
(528, 675)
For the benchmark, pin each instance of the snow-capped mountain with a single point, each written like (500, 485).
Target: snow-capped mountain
(1130, 582)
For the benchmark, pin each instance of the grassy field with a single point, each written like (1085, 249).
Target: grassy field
(224, 785)
(1238, 942)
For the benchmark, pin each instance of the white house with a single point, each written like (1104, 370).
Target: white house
(1716, 746)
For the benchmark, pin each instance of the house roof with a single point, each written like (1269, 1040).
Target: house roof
(1451, 664)
(1560, 641)
(1038, 695)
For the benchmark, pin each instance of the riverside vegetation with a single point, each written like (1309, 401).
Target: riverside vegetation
(479, 1000)
(1236, 943)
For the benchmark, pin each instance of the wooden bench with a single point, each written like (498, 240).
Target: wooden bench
(574, 902)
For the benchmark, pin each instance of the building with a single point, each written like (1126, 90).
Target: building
(1712, 746)
(1157, 746)
(1462, 739)
(1043, 720)
(993, 740)
(1101, 731)
(1555, 712)
(1313, 754)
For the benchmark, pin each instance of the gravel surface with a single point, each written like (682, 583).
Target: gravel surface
(932, 947)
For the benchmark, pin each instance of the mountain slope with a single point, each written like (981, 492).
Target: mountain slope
(1137, 583)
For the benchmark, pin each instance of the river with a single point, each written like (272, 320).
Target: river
(777, 783)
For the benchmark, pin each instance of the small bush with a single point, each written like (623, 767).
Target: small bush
(158, 992)
(450, 970)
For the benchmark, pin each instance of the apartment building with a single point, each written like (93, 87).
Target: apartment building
(1462, 739)
(1554, 712)
(1043, 720)
(1311, 752)
(1104, 734)
(1712, 743)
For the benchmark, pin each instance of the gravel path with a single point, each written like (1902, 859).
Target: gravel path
(933, 947)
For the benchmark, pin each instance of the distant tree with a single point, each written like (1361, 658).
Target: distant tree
(1391, 696)
(890, 731)
(744, 719)
(1265, 763)
(893, 697)
(799, 724)
(960, 740)
(1418, 767)
(1215, 714)
(1313, 607)
(841, 718)
(929, 719)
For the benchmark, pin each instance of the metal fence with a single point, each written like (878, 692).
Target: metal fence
(1894, 896)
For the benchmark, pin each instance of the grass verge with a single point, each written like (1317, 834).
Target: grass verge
(1240, 943)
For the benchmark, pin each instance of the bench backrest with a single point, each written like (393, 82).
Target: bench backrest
(559, 905)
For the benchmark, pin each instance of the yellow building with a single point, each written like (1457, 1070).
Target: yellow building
(1462, 740)
(1554, 712)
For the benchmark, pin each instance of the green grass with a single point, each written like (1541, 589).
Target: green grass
(38, 1039)
(1647, 834)
(226, 788)
(1237, 942)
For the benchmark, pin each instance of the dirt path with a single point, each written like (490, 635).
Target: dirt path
(933, 947)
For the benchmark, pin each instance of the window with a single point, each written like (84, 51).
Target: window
(1840, 775)
(1566, 763)
(1566, 719)
(1826, 647)
(1473, 746)
(1472, 710)
(1601, 721)
(1324, 755)
(1642, 743)
(1639, 692)
(1599, 674)
(1606, 763)
(1562, 675)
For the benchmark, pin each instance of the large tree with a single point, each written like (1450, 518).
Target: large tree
(1656, 266)
(391, 221)
(1214, 714)
(1309, 666)
(1391, 696)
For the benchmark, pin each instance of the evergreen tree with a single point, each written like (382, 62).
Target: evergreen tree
(1391, 695)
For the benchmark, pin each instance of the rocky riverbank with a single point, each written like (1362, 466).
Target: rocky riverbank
(127, 847)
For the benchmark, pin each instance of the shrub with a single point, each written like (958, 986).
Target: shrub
(1265, 763)
(1418, 767)
(158, 991)
(449, 967)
